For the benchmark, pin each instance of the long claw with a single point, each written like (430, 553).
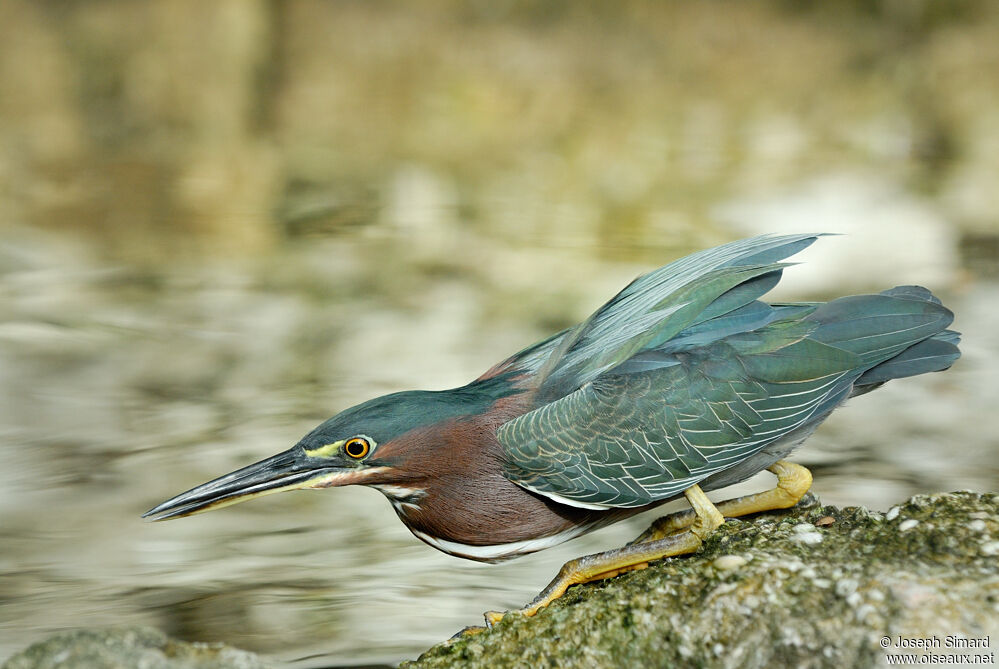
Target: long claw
(464, 632)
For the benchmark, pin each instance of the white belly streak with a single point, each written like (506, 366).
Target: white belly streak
(398, 492)
(403, 508)
(567, 501)
(501, 551)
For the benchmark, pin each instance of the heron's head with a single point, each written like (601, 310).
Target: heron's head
(384, 443)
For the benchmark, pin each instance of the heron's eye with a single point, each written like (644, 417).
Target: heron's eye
(357, 447)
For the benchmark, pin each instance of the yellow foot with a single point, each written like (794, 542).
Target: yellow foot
(665, 526)
(632, 557)
(793, 481)
(676, 534)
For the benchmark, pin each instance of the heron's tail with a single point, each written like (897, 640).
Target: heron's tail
(932, 354)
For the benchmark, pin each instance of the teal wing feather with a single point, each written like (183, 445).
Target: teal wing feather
(659, 410)
(658, 306)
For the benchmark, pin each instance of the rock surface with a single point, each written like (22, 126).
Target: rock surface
(129, 648)
(810, 587)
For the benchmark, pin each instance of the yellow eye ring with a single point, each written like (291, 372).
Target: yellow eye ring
(357, 447)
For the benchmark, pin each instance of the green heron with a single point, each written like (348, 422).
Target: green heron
(684, 382)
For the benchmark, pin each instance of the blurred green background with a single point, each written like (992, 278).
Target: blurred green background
(222, 222)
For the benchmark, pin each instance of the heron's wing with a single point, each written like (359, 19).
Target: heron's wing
(658, 306)
(663, 304)
(673, 415)
(627, 440)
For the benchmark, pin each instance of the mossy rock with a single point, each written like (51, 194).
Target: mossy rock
(812, 586)
(129, 648)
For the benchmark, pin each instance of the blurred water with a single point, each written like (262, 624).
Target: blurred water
(324, 202)
(123, 385)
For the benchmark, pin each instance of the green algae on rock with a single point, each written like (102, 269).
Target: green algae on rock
(811, 587)
(129, 648)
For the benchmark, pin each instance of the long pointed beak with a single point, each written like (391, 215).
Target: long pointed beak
(284, 471)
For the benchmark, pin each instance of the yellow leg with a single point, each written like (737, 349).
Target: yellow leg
(634, 556)
(793, 481)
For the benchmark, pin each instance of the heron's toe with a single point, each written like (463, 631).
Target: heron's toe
(493, 617)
